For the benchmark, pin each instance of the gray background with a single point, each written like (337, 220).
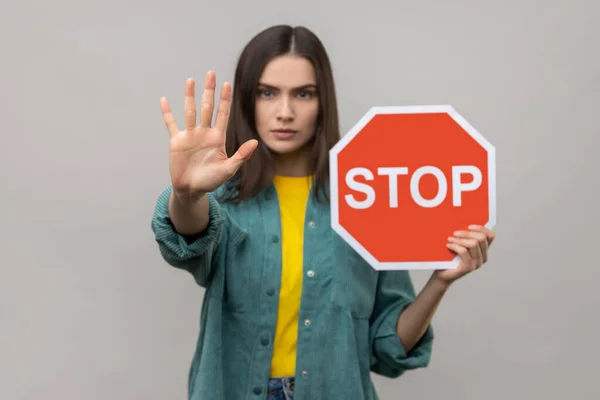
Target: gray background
(88, 310)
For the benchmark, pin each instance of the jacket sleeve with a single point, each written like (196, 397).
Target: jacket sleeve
(197, 255)
(395, 292)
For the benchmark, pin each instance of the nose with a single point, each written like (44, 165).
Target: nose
(285, 110)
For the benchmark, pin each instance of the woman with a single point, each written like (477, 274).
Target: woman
(290, 310)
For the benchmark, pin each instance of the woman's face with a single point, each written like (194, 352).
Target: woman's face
(287, 106)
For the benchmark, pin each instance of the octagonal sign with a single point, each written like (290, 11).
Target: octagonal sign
(404, 179)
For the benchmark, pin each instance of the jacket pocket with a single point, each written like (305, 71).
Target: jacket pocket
(354, 281)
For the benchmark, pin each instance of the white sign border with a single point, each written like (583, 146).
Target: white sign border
(415, 109)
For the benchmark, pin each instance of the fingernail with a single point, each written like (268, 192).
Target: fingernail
(474, 227)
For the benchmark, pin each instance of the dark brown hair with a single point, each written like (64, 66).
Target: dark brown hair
(257, 173)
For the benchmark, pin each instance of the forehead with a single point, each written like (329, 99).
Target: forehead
(288, 71)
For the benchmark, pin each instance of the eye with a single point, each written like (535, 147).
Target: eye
(305, 95)
(265, 93)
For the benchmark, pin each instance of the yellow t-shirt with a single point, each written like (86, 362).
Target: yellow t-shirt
(293, 194)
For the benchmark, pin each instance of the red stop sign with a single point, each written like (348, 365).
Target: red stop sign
(404, 179)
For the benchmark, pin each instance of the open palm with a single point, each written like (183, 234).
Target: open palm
(198, 161)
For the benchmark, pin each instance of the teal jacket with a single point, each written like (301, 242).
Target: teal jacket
(348, 311)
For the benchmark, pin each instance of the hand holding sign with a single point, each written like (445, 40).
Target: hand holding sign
(404, 179)
(472, 247)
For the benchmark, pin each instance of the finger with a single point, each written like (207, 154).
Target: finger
(476, 235)
(485, 237)
(483, 250)
(486, 231)
(224, 107)
(189, 105)
(208, 100)
(483, 245)
(465, 256)
(482, 239)
(461, 251)
(245, 150)
(168, 117)
(477, 256)
(471, 245)
(242, 155)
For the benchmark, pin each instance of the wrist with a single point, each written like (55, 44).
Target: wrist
(438, 283)
(187, 198)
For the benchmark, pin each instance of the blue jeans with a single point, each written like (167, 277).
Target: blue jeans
(281, 389)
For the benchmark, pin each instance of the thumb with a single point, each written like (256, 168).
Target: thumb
(243, 154)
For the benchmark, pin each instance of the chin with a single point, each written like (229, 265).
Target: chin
(284, 147)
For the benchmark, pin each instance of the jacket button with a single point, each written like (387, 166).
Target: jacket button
(274, 239)
(264, 341)
(270, 292)
(257, 391)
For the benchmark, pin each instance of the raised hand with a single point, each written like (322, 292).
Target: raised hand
(198, 161)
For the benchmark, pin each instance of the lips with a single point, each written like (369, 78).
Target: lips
(284, 131)
(284, 134)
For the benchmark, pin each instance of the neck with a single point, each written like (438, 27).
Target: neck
(295, 164)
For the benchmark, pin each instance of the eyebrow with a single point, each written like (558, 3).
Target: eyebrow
(271, 87)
